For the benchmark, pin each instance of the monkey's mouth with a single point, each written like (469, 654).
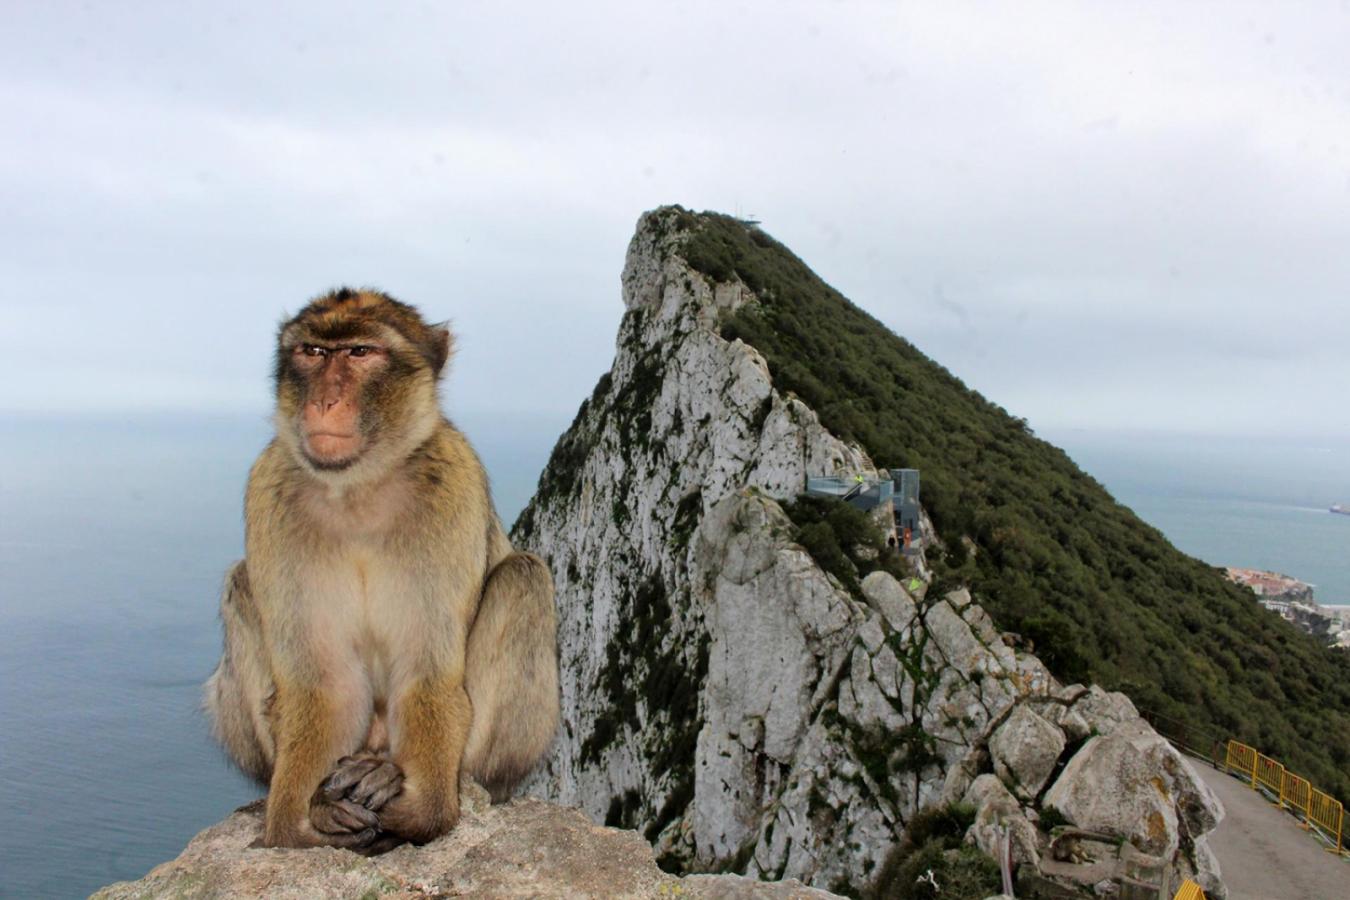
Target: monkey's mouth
(332, 449)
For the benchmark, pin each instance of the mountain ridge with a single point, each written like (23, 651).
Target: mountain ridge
(744, 706)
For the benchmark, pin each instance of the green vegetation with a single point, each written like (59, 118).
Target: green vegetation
(652, 672)
(843, 540)
(623, 811)
(932, 842)
(1102, 595)
(661, 674)
(1052, 818)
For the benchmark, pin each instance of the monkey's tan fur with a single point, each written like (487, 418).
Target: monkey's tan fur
(380, 618)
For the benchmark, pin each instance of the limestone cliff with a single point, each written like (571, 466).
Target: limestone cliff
(749, 712)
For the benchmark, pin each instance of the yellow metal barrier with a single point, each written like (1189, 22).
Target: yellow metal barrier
(1269, 775)
(1316, 809)
(1189, 890)
(1296, 794)
(1242, 759)
(1326, 814)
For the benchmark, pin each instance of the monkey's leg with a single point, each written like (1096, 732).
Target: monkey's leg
(430, 726)
(314, 725)
(239, 698)
(511, 673)
(237, 693)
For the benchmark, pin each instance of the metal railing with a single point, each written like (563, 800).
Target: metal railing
(863, 492)
(1187, 737)
(1317, 811)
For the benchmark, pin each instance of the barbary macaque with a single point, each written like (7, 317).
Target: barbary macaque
(381, 634)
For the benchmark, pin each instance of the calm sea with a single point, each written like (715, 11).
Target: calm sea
(114, 536)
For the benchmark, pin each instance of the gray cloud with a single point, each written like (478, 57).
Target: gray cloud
(1098, 215)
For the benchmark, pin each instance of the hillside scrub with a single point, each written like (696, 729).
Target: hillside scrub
(1101, 594)
(843, 540)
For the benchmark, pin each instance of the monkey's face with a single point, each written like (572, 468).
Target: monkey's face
(336, 379)
(356, 382)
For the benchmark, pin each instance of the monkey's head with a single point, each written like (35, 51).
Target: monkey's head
(356, 376)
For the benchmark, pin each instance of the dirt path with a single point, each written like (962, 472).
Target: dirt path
(1263, 852)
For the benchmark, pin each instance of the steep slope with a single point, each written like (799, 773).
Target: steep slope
(1102, 594)
(747, 709)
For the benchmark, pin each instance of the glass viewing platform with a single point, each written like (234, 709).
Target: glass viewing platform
(862, 492)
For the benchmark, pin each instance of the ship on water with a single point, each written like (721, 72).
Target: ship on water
(1341, 508)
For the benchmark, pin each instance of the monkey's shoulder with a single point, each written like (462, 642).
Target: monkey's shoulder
(447, 460)
(272, 472)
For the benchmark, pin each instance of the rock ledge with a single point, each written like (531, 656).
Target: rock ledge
(526, 848)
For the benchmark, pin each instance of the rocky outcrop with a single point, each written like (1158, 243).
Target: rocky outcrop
(1026, 748)
(523, 849)
(742, 707)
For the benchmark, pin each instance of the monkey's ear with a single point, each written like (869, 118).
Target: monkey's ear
(442, 345)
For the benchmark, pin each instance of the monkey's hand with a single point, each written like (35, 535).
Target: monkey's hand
(343, 823)
(367, 779)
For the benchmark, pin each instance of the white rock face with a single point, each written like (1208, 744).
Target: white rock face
(996, 809)
(721, 692)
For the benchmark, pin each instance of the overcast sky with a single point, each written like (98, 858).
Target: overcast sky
(1098, 214)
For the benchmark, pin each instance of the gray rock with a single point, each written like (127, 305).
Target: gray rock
(813, 723)
(1112, 786)
(888, 597)
(1207, 873)
(1104, 712)
(526, 848)
(1025, 749)
(997, 813)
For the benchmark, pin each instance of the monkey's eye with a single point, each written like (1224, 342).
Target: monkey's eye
(311, 350)
(361, 350)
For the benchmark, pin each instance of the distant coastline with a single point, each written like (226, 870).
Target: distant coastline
(1272, 585)
(1293, 600)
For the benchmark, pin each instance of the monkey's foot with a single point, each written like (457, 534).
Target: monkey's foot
(365, 779)
(383, 843)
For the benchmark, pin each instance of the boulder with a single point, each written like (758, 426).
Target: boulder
(1104, 711)
(1207, 873)
(1112, 786)
(1197, 807)
(1025, 749)
(888, 597)
(997, 812)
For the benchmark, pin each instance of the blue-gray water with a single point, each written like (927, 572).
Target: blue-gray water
(114, 537)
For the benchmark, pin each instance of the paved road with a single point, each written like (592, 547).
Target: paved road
(1263, 852)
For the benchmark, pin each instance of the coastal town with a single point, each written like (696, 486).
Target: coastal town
(1293, 600)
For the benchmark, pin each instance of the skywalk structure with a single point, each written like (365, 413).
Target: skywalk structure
(898, 487)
